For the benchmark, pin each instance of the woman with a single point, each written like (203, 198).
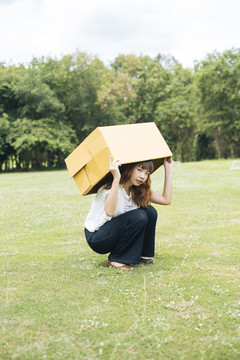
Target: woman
(121, 220)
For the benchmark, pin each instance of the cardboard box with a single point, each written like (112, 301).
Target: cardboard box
(88, 164)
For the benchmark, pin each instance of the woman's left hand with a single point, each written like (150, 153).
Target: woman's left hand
(168, 163)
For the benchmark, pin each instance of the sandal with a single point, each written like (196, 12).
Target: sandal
(120, 266)
(146, 261)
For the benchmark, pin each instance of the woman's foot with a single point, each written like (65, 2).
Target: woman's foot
(146, 260)
(117, 265)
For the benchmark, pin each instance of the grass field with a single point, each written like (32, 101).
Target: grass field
(59, 301)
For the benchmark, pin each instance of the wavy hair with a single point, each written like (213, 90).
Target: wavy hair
(140, 194)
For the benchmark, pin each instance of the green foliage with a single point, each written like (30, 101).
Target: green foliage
(35, 98)
(116, 98)
(9, 77)
(175, 114)
(4, 130)
(77, 81)
(5, 146)
(54, 102)
(42, 140)
(148, 84)
(218, 84)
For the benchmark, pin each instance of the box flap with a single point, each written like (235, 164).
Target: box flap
(82, 181)
(78, 159)
(81, 155)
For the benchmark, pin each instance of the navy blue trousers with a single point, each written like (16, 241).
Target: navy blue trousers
(126, 237)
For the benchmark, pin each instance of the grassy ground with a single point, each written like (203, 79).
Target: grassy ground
(59, 301)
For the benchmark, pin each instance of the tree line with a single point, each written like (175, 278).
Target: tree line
(48, 107)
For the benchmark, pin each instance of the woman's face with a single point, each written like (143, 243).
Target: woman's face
(139, 175)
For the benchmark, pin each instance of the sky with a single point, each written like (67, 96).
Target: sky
(185, 29)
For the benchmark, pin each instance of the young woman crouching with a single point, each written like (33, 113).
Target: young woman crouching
(121, 220)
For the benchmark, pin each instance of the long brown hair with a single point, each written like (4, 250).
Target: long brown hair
(140, 194)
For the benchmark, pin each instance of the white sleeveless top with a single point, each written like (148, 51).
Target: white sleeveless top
(97, 216)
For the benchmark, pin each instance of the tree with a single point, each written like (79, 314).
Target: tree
(217, 81)
(116, 97)
(51, 105)
(36, 99)
(6, 149)
(9, 77)
(36, 142)
(75, 79)
(175, 114)
(149, 83)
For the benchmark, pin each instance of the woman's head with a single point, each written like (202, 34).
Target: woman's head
(141, 191)
(138, 175)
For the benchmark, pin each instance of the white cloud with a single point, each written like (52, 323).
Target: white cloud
(187, 29)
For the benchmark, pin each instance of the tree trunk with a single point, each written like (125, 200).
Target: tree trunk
(232, 150)
(37, 155)
(218, 145)
(18, 162)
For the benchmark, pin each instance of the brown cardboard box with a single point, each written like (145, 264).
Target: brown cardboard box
(88, 164)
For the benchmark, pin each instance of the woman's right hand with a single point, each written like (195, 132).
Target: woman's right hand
(114, 168)
(112, 197)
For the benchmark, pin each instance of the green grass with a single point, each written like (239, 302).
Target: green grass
(59, 301)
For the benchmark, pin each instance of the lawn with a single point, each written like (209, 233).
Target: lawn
(59, 301)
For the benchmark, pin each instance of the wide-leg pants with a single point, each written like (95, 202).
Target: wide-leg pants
(126, 237)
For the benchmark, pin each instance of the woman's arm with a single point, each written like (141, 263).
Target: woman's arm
(166, 197)
(112, 197)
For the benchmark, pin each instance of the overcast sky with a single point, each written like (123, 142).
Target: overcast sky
(186, 29)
